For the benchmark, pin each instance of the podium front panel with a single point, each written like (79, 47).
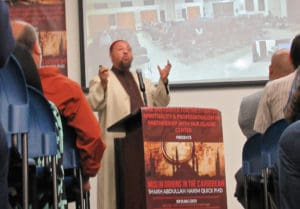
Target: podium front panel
(184, 158)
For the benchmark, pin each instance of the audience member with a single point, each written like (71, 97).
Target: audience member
(114, 94)
(293, 106)
(289, 167)
(70, 101)
(289, 144)
(275, 95)
(280, 66)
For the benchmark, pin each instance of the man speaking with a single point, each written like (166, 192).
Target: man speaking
(114, 94)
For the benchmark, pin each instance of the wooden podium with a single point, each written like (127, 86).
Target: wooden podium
(161, 163)
(129, 163)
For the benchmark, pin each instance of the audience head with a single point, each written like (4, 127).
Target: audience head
(295, 51)
(121, 54)
(25, 34)
(280, 64)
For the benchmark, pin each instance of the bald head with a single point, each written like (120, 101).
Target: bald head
(281, 64)
(26, 35)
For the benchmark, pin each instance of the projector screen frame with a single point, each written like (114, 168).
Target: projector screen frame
(174, 85)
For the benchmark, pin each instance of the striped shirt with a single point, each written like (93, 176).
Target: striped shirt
(273, 101)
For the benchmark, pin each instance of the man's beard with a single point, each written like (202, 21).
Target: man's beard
(125, 65)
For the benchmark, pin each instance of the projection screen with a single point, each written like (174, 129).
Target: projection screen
(207, 41)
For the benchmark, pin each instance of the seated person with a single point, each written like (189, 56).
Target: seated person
(275, 93)
(289, 144)
(289, 167)
(70, 101)
(280, 66)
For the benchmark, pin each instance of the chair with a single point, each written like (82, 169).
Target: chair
(269, 152)
(14, 114)
(252, 165)
(42, 136)
(73, 174)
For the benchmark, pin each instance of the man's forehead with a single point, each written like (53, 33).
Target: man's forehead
(121, 43)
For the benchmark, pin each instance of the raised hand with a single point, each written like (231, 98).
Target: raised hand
(103, 74)
(164, 73)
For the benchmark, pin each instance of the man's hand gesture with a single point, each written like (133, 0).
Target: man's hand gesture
(164, 73)
(103, 75)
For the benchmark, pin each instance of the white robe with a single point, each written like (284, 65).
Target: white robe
(111, 106)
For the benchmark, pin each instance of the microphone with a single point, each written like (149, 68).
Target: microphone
(141, 81)
(142, 85)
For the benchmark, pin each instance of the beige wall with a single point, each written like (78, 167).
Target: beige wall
(226, 100)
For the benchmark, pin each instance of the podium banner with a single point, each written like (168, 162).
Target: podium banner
(184, 158)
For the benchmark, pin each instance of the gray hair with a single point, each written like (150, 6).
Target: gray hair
(28, 36)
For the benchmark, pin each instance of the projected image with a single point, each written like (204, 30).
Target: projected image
(206, 40)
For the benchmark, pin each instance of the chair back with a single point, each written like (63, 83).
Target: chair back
(42, 131)
(14, 105)
(14, 114)
(42, 137)
(270, 142)
(251, 156)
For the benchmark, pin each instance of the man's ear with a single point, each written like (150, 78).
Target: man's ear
(270, 71)
(37, 48)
